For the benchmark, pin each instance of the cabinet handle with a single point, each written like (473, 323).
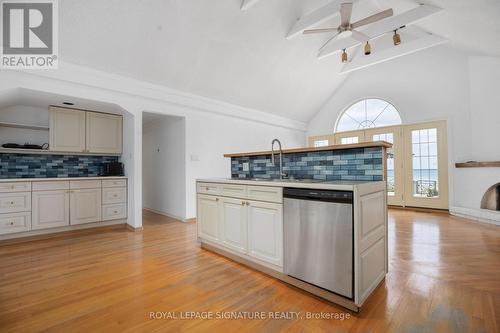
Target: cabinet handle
(243, 203)
(216, 199)
(248, 203)
(11, 223)
(116, 212)
(12, 202)
(12, 187)
(115, 195)
(206, 188)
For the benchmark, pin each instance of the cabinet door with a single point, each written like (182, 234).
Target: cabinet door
(67, 130)
(208, 217)
(265, 232)
(234, 224)
(85, 206)
(50, 209)
(104, 133)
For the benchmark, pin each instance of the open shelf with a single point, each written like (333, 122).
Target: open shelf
(476, 164)
(49, 152)
(33, 127)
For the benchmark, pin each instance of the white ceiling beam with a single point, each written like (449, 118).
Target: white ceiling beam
(381, 27)
(246, 4)
(362, 61)
(316, 17)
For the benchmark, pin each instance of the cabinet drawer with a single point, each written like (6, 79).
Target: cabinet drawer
(114, 195)
(15, 202)
(114, 212)
(265, 193)
(15, 222)
(82, 184)
(50, 185)
(114, 183)
(208, 188)
(234, 191)
(15, 187)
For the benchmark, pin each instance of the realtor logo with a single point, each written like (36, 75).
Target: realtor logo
(29, 34)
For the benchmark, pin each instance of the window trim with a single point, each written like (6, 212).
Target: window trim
(360, 100)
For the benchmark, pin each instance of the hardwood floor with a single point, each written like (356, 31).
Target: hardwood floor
(444, 276)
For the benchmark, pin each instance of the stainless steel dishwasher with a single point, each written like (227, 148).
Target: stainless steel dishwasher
(319, 238)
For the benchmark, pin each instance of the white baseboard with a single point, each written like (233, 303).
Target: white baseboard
(477, 214)
(165, 214)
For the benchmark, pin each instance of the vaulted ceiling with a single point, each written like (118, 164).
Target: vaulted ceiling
(214, 49)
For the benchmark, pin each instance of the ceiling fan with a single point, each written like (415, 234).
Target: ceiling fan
(348, 29)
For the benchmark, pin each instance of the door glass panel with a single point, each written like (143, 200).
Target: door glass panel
(388, 137)
(425, 165)
(349, 140)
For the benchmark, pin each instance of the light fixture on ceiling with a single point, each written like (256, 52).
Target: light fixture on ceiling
(396, 38)
(344, 56)
(68, 103)
(368, 48)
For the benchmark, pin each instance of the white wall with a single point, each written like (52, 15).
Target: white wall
(438, 83)
(164, 166)
(28, 115)
(484, 136)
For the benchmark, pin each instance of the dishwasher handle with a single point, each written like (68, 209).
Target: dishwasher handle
(318, 195)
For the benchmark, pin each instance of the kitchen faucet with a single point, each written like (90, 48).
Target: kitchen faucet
(282, 174)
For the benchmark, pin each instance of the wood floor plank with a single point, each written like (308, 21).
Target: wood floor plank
(443, 277)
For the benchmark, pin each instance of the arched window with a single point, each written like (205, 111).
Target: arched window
(368, 113)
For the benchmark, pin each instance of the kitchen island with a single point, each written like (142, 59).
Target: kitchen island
(262, 223)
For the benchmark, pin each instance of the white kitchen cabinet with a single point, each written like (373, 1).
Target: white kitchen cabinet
(233, 224)
(103, 133)
(85, 206)
(265, 231)
(15, 222)
(67, 130)
(208, 217)
(50, 209)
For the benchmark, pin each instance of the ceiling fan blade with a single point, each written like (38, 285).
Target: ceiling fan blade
(373, 18)
(359, 36)
(318, 31)
(345, 13)
(328, 41)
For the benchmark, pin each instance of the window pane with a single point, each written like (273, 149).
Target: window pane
(349, 140)
(425, 166)
(320, 143)
(368, 113)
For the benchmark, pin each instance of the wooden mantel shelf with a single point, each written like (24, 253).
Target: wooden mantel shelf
(313, 149)
(476, 164)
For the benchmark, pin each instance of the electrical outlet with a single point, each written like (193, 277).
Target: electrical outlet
(246, 166)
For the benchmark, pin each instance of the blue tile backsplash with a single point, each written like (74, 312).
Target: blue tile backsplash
(51, 166)
(350, 164)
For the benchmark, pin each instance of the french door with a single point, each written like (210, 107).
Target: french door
(417, 170)
(426, 174)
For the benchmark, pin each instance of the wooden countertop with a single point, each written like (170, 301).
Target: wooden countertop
(313, 149)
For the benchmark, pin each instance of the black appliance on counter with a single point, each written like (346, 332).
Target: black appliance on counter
(113, 169)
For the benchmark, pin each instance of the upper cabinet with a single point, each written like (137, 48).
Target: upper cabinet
(67, 130)
(104, 133)
(83, 131)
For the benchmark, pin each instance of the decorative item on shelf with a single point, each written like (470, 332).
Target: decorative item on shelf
(344, 56)
(368, 48)
(396, 38)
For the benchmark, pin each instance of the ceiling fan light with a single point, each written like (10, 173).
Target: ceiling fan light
(344, 56)
(368, 48)
(396, 38)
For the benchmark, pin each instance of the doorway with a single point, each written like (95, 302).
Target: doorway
(164, 165)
